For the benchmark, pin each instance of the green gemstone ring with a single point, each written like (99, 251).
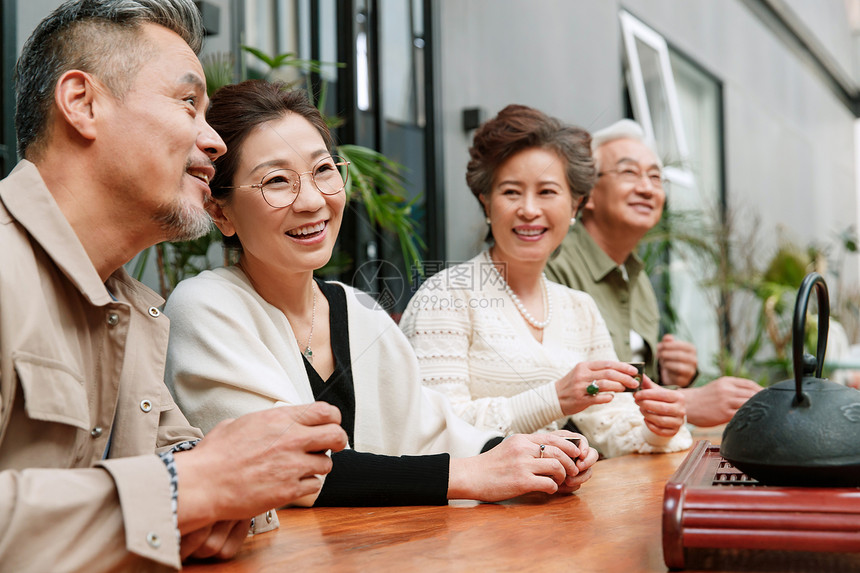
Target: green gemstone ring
(592, 388)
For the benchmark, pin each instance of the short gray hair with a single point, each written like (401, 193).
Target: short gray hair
(94, 36)
(623, 129)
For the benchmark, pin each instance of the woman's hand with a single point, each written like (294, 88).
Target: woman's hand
(586, 459)
(664, 410)
(518, 466)
(609, 376)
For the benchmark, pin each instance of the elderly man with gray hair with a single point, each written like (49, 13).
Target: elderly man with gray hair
(599, 258)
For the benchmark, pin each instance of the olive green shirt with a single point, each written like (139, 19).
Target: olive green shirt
(625, 304)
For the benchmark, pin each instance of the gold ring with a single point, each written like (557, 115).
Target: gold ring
(542, 448)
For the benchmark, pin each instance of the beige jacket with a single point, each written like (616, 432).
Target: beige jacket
(78, 368)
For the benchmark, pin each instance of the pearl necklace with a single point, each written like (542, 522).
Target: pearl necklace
(524, 312)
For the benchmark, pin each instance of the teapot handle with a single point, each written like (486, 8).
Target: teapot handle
(799, 328)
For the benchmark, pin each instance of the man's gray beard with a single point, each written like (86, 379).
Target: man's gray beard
(182, 222)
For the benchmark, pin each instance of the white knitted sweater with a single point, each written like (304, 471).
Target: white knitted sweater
(473, 345)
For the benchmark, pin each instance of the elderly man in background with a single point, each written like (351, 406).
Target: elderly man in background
(598, 257)
(99, 470)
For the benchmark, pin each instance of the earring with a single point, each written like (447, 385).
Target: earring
(487, 221)
(572, 221)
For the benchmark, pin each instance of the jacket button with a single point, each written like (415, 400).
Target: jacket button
(153, 540)
(113, 319)
(154, 312)
(96, 432)
(269, 516)
(145, 405)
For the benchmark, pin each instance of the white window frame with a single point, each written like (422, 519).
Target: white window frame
(633, 29)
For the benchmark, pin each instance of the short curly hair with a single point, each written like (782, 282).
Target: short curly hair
(519, 127)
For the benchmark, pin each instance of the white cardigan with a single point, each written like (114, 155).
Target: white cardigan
(473, 345)
(231, 353)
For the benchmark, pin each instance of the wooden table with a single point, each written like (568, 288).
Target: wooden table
(612, 524)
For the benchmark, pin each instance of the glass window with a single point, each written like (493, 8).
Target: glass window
(398, 79)
(273, 27)
(680, 106)
(328, 39)
(260, 32)
(362, 59)
(654, 96)
(700, 103)
(286, 26)
(404, 137)
(382, 102)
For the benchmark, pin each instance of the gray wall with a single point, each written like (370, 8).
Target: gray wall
(828, 24)
(789, 141)
(560, 56)
(29, 15)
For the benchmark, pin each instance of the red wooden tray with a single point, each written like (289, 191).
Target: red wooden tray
(709, 503)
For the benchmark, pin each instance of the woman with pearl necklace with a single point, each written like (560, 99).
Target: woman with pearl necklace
(512, 351)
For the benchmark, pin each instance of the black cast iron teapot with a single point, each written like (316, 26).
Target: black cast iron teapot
(801, 432)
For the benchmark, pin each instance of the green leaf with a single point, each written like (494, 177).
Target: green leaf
(218, 69)
(376, 181)
(260, 55)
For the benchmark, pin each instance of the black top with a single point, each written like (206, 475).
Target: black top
(359, 478)
(338, 390)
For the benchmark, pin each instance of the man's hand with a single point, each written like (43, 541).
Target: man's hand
(677, 360)
(257, 462)
(716, 402)
(220, 540)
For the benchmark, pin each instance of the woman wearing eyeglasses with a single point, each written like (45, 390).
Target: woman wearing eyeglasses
(265, 332)
(513, 351)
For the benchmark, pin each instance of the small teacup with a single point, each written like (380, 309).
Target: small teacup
(640, 371)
